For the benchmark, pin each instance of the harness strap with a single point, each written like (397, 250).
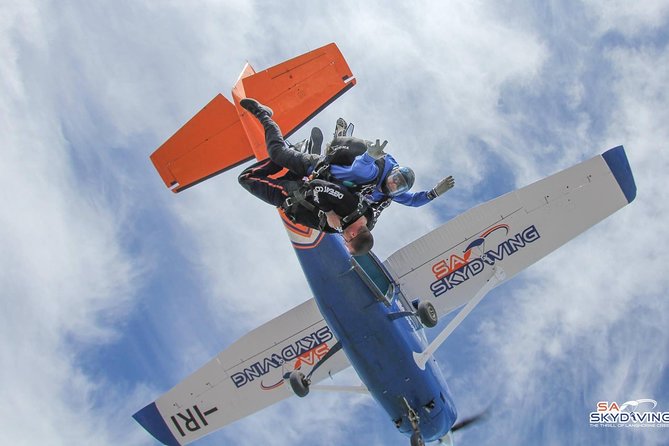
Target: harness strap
(359, 211)
(322, 169)
(298, 198)
(322, 220)
(322, 172)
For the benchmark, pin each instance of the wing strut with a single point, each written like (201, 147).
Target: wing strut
(335, 348)
(421, 358)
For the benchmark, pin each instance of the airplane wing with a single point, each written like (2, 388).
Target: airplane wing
(244, 378)
(449, 265)
(223, 135)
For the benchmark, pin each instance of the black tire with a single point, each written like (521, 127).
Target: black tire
(299, 383)
(417, 439)
(427, 314)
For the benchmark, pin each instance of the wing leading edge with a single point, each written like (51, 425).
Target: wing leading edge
(451, 264)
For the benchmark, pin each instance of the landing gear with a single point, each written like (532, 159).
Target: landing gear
(427, 314)
(414, 419)
(299, 383)
(417, 439)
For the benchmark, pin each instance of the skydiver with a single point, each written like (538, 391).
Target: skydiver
(317, 204)
(362, 166)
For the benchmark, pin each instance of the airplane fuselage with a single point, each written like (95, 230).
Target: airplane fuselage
(360, 303)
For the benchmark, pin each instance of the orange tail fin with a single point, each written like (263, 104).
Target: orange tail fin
(222, 135)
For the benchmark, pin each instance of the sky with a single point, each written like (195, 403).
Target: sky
(113, 289)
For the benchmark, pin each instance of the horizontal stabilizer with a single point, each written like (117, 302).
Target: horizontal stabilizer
(451, 264)
(213, 141)
(296, 90)
(244, 378)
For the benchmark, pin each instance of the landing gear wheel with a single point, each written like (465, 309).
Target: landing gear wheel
(299, 383)
(427, 314)
(417, 439)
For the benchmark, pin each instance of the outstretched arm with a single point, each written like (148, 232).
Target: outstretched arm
(441, 187)
(413, 199)
(417, 199)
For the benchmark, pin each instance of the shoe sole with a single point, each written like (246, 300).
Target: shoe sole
(316, 141)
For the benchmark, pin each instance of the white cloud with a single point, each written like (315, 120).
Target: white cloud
(579, 331)
(89, 91)
(66, 279)
(630, 18)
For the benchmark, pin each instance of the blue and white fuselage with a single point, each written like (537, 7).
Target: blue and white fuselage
(363, 307)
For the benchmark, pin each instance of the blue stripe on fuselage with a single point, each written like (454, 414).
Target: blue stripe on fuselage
(380, 349)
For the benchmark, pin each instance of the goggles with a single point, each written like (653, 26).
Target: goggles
(397, 182)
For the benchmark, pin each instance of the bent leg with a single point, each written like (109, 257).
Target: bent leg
(255, 179)
(280, 153)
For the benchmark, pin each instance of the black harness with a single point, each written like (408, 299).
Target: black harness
(360, 210)
(298, 198)
(345, 155)
(342, 154)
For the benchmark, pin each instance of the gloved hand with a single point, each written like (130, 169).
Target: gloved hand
(441, 187)
(376, 150)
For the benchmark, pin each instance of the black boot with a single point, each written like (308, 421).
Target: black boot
(256, 108)
(340, 128)
(311, 145)
(273, 137)
(315, 142)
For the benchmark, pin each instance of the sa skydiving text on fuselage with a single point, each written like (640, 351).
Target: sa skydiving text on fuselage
(469, 267)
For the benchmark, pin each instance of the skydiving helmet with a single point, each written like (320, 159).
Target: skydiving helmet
(398, 181)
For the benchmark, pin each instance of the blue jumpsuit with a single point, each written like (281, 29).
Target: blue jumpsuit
(363, 170)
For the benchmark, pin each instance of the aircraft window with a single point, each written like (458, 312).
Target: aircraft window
(371, 270)
(372, 267)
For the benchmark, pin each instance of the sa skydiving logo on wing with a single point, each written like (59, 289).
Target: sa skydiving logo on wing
(458, 268)
(306, 350)
(634, 413)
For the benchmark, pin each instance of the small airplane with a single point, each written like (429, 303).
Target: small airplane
(365, 313)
